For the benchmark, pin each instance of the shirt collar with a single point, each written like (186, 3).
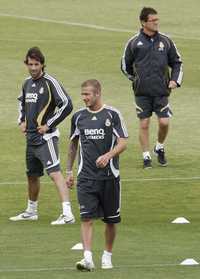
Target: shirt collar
(155, 36)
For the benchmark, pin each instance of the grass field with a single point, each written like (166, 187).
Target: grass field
(148, 246)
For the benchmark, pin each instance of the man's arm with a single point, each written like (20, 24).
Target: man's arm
(103, 160)
(175, 63)
(127, 61)
(21, 117)
(65, 107)
(63, 103)
(72, 151)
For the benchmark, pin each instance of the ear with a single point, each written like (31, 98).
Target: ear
(98, 93)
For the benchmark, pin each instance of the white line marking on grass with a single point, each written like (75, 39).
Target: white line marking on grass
(36, 269)
(147, 265)
(47, 269)
(123, 180)
(61, 41)
(90, 26)
(161, 179)
(70, 23)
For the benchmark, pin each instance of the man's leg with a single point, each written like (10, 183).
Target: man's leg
(49, 156)
(59, 181)
(144, 141)
(110, 234)
(144, 134)
(86, 234)
(163, 128)
(63, 191)
(163, 111)
(88, 199)
(33, 187)
(33, 192)
(111, 203)
(144, 111)
(34, 171)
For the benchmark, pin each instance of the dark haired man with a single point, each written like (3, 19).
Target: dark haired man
(100, 131)
(146, 61)
(43, 104)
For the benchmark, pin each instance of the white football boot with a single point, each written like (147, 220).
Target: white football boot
(29, 216)
(64, 219)
(84, 265)
(106, 262)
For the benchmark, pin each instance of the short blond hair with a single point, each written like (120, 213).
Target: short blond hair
(92, 82)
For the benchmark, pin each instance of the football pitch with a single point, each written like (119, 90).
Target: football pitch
(84, 39)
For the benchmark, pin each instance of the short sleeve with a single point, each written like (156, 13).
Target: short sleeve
(119, 126)
(74, 127)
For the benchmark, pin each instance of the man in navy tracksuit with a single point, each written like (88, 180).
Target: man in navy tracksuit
(146, 61)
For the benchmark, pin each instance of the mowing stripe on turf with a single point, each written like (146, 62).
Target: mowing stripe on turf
(90, 26)
(123, 180)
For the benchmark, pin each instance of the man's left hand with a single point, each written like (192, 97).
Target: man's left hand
(103, 160)
(42, 129)
(172, 84)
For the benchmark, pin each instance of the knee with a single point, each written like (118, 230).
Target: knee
(144, 125)
(111, 225)
(87, 222)
(33, 179)
(54, 175)
(163, 123)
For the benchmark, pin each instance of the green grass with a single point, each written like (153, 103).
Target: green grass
(148, 245)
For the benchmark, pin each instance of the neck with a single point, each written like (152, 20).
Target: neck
(39, 76)
(96, 107)
(149, 32)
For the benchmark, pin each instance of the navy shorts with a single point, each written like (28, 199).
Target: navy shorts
(146, 105)
(44, 156)
(99, 199)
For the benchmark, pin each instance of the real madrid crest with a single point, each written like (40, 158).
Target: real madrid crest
(161, 46)
(41, 91)
(107, 123)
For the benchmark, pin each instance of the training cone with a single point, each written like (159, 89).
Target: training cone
(78, 246)
(180, 220)
(189, 262)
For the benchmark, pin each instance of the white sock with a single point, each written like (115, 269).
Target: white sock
(88, 255)
(159, 145)
(146, 154)
(107, 254)
(32, 206)
(66, 208)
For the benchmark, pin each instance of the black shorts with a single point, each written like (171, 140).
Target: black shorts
(146, 105)
(45, 156)
(99, 199)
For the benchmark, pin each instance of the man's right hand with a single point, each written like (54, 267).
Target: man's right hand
(172, 84)
(23, 127)
(70, 180)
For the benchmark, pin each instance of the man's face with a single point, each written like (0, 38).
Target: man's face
(89, 96)
(34, 68)
(151, 24)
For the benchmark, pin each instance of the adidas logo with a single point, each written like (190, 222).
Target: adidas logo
(94, 118)
(140, 43)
